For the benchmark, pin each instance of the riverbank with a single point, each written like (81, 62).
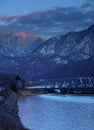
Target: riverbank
(30, 92)
(9, 119)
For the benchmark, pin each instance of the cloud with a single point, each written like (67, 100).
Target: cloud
(50, 17)
(55, 21)
(58, 17)
(89, 4)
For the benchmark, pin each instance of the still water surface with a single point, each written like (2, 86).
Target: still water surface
(51, 112)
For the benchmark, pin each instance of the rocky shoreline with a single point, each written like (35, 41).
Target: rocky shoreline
(9, 119)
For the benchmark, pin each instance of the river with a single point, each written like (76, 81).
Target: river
(57, 112)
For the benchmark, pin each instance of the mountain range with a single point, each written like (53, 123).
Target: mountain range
(18, 44)
(35, 58)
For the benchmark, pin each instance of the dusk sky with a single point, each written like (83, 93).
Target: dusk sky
(47, 18)
(17, 7)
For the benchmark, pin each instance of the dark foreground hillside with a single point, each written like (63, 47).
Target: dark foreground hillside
(9, 119)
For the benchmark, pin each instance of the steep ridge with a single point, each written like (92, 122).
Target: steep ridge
(33, 57)
(74, 45)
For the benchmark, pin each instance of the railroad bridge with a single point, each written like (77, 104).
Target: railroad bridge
(79, 85)
(71, 85)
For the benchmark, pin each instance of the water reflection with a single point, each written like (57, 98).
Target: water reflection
(50, 112)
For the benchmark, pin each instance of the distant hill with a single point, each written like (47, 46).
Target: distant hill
(82, 68)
